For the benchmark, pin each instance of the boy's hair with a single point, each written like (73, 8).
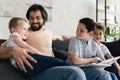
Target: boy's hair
(13, 23)
(37, 7)
(89, 23)
(100, 26)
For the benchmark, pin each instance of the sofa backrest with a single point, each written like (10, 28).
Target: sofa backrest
(2, 40)
(60, 45)
(114, 47)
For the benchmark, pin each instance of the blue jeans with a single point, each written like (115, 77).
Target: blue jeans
(96, 74)
(43, 63)
(113, 76)
(61, 73)
(113, 70)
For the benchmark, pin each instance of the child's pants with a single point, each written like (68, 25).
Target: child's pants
(43, 63)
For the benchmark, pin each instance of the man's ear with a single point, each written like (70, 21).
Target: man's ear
(91, 33)
(12, 30)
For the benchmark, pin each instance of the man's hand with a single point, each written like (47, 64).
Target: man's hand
(21, 57)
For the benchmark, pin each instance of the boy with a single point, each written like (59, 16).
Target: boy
(97, 37)
(83, 50)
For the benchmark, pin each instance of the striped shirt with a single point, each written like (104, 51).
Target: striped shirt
(84, 49)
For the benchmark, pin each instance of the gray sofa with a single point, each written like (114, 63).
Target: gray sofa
(8, 72)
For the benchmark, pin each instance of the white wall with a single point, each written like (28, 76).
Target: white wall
(66, 15)
(4, 32)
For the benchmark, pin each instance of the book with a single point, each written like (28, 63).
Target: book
(98, 65)
(103, 64)
(110, 61)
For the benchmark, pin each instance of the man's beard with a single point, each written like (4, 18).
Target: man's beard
(35, 28)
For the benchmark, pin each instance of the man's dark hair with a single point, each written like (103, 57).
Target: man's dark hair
(36, 7)
(89, 23)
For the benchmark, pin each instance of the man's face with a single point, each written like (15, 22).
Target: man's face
(35, 20)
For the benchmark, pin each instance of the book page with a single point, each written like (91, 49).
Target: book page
(111, 60)
(103, 64)
(98, 65)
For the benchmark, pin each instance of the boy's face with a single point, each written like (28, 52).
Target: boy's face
(22, 29)
(98, 35)
(82, 32)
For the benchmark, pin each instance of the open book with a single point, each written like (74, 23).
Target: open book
(105, 63)
(110, 61)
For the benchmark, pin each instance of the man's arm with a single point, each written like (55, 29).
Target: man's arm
(19, 55)
(61, 37)
(65, 37)
(5, 52)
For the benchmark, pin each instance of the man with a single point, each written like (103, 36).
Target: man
(37, 17)
(41, 39)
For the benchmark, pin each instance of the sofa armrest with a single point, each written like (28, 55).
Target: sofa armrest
(60, 54)
(60, 49)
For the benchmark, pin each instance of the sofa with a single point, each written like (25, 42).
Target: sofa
(60, 48)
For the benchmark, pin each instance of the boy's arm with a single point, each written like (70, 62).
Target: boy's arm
(115, 64)
(23, 44)
(81, 61)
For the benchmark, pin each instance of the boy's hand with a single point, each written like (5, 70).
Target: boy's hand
(97, 59)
